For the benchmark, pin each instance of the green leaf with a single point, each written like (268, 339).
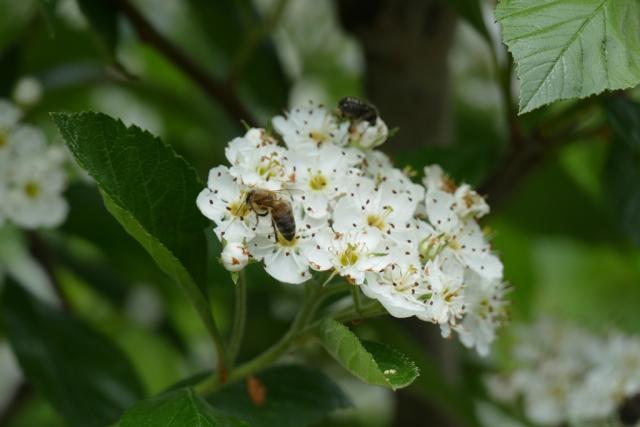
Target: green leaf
(179, 408)
(48, 10)
(623, 167)
(147, 187)
(103, 17)
(471, 11)
(81, 372)
(371, 362)
(295, 396)
(624, 116)
(571, 48)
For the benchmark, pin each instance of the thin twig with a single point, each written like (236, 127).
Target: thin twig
(214, 88)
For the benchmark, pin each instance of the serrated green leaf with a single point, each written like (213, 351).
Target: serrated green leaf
(295, 396)
(148, 188)
(373, 363)
(571, 48)
(398, 369)
(82, 373)
(178, 408)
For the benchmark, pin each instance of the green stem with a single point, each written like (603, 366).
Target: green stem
(305, 314)
(355, 294)
(239, 319)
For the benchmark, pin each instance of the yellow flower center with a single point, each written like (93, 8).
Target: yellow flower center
(268, 168)
(318, 182)
(349, 256)
(32, 189)
(378, 221)
(318, 137)
(238, 209)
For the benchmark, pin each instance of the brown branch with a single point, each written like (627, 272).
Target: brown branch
(215, 89)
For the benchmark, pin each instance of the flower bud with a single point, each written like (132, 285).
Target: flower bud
(235, 256)
(366, 136)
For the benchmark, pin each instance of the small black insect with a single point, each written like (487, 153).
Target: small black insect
(629, 411)
(358, 109)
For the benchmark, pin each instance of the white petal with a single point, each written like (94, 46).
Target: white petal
(440, 210)
(286, 267)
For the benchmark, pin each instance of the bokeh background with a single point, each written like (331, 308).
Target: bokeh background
(435, 69)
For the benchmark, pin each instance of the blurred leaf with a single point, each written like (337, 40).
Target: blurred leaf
(623, 188)
(296, 396)
(471, 11)
(148, 188)
(9, 68)
(571, 49)
(373, 363)
(182, 407)
(103, 17)
(84, 375)
(623, 168)
(229, 26)
(624, 116)
(48, 9)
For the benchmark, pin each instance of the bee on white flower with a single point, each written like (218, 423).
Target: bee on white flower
(417, 249)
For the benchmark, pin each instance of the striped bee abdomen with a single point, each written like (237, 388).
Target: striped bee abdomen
(286, 224)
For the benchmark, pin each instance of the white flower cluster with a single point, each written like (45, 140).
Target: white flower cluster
(32, 177)
(567, 376)
(417, 249)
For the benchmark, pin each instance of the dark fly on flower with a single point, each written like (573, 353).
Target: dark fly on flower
(358, 109)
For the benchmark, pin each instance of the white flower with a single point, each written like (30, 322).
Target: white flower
(566, 375)
(306, 129)
(465, 203)
(28, 91)
(235, 256)
(223, 202)
(366, 136)
(321, 178)
(398, 288)
(9, 116)
(351, 254)
(289, 261)
(257, 161)
(34, 182)
(462, 238)
(418, 252)
(486, 310)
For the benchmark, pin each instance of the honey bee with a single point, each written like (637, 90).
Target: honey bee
(358, 109)
(263, 202)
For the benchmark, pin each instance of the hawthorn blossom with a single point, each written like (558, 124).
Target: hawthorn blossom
(567, 375)
(32, 178)
(415, 248)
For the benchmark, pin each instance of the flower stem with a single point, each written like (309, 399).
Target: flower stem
(310, 304)
(355, 294)
(239, 319)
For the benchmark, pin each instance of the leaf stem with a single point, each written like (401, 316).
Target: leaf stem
(239, 319)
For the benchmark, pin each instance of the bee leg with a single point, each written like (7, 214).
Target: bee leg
(275, 230)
